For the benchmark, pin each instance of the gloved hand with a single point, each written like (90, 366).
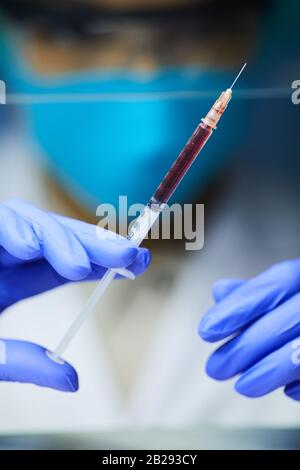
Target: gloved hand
(38, 252)
(263, 314)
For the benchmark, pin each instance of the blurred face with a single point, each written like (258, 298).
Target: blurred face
(141, 35)
(145, 72)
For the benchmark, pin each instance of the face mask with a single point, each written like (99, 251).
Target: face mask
(105, 134)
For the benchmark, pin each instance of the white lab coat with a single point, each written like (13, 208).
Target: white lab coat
(151, 323)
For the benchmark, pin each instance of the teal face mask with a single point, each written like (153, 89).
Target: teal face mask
(109, 134)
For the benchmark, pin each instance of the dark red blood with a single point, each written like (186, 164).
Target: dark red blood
(182, 163)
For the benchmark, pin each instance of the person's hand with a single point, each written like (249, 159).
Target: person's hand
(263, 315)
(38, 252)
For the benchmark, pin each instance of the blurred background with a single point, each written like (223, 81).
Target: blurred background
(101, 97)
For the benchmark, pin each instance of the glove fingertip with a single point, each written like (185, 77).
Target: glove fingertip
(216, 368)
(68, 381)
(78, 272)
(118, 255)
(18, 237)
(129, 255)
(142, 261)
(211, 370)
(292, 390)
(247, 388)
(27, 362)
(59, 375)
(206, 330)
(147, 256)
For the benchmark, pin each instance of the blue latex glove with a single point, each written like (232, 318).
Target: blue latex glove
(38, 252)
(263, 315)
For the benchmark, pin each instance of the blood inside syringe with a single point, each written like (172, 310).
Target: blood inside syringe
(148, 217)
(182, 164)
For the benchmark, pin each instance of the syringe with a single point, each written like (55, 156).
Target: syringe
(155, 206)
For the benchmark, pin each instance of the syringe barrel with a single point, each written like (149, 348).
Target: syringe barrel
(182, 164)
(150, 214)
(192, 149)
(143, 224)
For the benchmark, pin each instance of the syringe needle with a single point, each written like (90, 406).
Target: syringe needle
(238, 75)
(155, 206)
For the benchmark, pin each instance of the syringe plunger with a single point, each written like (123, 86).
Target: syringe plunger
(157, 203)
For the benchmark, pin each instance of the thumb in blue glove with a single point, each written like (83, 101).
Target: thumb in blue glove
(40, 251)
(25, 362)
